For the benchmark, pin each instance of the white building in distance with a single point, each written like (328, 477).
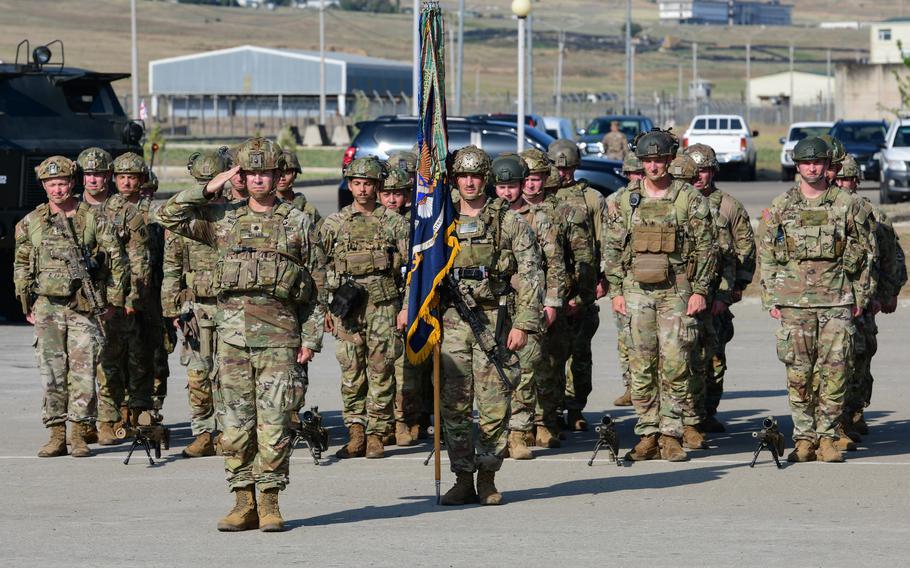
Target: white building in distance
(808, 89)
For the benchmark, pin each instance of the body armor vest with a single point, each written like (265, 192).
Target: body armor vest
(53, 243)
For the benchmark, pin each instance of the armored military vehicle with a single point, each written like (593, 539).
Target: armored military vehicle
(47, 108)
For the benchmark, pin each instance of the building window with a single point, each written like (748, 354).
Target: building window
(884, 34)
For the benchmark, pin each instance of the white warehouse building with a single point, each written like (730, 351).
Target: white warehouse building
(808, 89)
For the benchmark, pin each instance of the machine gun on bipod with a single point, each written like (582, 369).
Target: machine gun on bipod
(769, 438)
(311, 432)
(607, 438)
(149, 433)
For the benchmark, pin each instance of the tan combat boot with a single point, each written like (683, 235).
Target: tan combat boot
(625, 399)
(486, 489)
(462, 493)
(646, 449)
(531, 437)
(803, 452)
(403, 435)
(576, 420)
(56, 446)
(417, 433)
(843, 443)
(692, 438)
(388, 439)
(356, 445)
(671, 450)
(269, 515)
(219, 449)
(77, 439)
(518, 447)
(546, 439)
(374, 447)
(106, 436)
(827, 452)
(90, 434)
(243, 516)
(201, 446)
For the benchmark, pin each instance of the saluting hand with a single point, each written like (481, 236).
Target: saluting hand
(217, 182)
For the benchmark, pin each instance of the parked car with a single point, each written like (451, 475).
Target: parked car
(863, 139)
(558, 127)
(532, 120)
(388, 134)
(894, 163)
(603, 175)
(731, 139)
(798, 131)
(589, 141)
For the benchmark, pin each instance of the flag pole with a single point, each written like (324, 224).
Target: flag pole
(437, 422)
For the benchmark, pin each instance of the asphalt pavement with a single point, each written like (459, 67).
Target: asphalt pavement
(711, 511)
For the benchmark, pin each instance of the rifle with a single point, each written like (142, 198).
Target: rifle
(149, 434)
(464, 304)
(81, 265)
(769, 438)
(608, 438)
(311, 432)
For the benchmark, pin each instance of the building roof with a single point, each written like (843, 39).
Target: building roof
(254, 70)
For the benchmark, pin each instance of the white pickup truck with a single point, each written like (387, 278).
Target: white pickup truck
(731, 139)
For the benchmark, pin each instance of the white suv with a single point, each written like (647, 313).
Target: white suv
(894, 158)
(798, 131)
(731, 139)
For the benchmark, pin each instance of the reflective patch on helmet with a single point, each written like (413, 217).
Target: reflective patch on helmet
(255, 160)
(52, 169)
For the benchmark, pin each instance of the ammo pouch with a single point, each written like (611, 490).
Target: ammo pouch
(651, 268)
(814, 243)
(200, 282)
(249, 270)
(363, 262)
(382, 289)
(55, 284)
(348, 297)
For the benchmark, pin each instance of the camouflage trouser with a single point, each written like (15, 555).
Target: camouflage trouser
(524, 398)
(859, 385)
(557, 346)
(367, 347)
(468, 375)
(68, 348)
(660, 359)
(714, 386)
(200, 370)
(816, 345)
(702, 367)
(159, 353)
(126, 363)
(623, 344)
(409, 381)
(260, 386)
(578, 378)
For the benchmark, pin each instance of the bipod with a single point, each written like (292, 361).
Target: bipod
(608, 438)
(764, 444)
(140, 439)
(432, 449)
(613, 456)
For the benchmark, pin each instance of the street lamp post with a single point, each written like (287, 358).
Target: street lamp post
(521, 9)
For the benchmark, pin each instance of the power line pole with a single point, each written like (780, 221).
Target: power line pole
(748, 81)
(828, 84)
(632, 81)
(530, 92)
(694, 93)
(415, 74)
(134, 67)
(451, 50)
(521, 84)
(322, 62)
(791, 83)
(628, 56)
(459, 59)
(559, 63)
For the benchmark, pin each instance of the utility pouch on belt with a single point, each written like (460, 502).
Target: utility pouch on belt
(348, 297)
(651, 268)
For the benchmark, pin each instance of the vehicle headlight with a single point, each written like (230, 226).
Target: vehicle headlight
(896, 165)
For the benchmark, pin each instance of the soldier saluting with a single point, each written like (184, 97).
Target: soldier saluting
(69, 272)
(268, 321)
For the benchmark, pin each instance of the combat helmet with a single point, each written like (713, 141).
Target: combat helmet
(703, 156)
(204, 166)
(836, 150)
(553, 182)
(811, 148)
(129, 163)
(684, 167)
(632, 164)
(536, 160)
(404, 160)
(655, 143)
(95, 160)
(56, 167)
(291, 162)
(368, 167)
(850, 169)
(509, 167)
(564, 153)
(472, 160)
(259, 154)
(398, 179)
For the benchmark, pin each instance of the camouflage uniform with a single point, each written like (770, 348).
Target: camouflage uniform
(266, 311)
(298, 200)
(502, 242)
(368, 250)
(675, 234)
(623, 331)
(816, 258)
(616, 145)
(68, 341)
(158, 338)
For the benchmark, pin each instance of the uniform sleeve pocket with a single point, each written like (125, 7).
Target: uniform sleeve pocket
(785, 346)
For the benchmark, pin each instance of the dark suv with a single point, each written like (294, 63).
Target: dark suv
(389, 134)
(589, 141)
(863, 139)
